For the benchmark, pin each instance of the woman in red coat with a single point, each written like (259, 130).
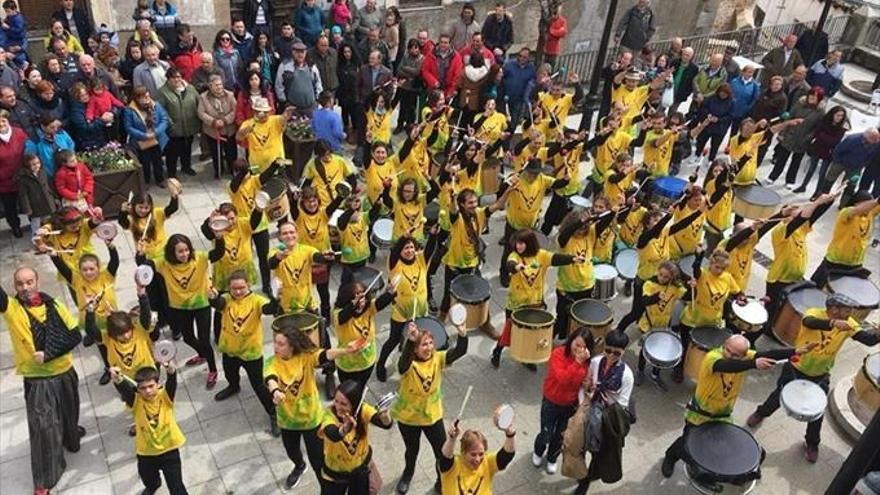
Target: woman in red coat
(557, 30)
(567, 372)
(12, 142)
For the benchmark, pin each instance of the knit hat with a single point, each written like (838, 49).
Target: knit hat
(336, 30)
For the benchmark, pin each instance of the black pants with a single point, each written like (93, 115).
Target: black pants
(10, 209)
(780, 158)
(564, 300)
(506, 250)
(435, 261)
(772, 403)
(676, 451)
(157, 293)
(356, 483)
(773, 290)
(361, 377)
(395, 337)
(556, 211)
(684, 332)
(151, 163)
(712, 239)
(314, 448)
(148, 467)
(715, 143)
(181, 320)
(52, 408)
(762, 150)
(324, 296)
(178, 149)
(261, 243)
(448, 276)
(820, 276)
(254, 369)
(408, 108)
(349, 113)
(225, 148)
(554, 420)
(436, 435)
(637, 307)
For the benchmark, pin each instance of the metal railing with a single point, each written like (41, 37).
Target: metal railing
(872, 37)
(752, 43)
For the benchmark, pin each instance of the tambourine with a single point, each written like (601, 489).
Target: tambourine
(164, 350)
(262, 199)
(386, 401)
(457, 314)
(174, 186)
(343, 189)
(106, 231)
(219, 224)
(143, 274)
(503, 416)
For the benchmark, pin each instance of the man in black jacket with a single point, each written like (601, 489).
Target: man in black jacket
(75, 20)
(498, 31)
(684, 71)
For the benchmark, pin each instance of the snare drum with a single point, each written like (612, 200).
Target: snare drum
(594, 315)
(278, 206)
(606, 278)
(627, 263)
(437, 329)
(798, 299)
(861, 290)
(307, 323)
(866, 383)
(382, 232)
(578, 202)
(721, 452)
(686, 264)
(703, 339)
(755, 202)
(668, 190)
(662, 348)
(803, 400)
(490, 170)
(473, 292)
(748, 318)
(365, 275)
(531, 335)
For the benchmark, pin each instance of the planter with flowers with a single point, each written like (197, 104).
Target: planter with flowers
(299, 143)
(117, 172)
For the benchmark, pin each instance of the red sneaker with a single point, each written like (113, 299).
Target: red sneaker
(212, 380)
(195, 360)
(811, 453)
(41, 491)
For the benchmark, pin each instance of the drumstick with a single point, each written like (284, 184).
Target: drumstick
(369, 287)
(357, 412)
(65, 251)
(52, 232)
(128, 380)
(467, 397)
(130, 196)
(147, 226)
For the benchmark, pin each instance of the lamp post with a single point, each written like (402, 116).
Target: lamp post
(592, 101)
(819, 29)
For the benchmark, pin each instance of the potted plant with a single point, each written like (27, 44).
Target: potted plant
(299, 143)
(117, 172)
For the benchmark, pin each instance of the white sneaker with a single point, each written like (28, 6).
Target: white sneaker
(537, 460)
(551, 467)
(790, 187)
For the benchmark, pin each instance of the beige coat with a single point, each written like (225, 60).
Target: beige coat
(212, 108)
(574, 463)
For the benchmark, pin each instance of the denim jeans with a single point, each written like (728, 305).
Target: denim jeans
(554, 420)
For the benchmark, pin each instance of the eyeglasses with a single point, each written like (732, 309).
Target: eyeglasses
(614, 352)
(225, 38)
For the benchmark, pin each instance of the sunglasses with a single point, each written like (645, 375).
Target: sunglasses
(226, 38)
(615, 352)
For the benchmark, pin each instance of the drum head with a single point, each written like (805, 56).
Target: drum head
(662, 348)
(753, 312)
(758, 195)
(106, 231)
(803, 399)
(262, 199)
(386, 401)
(219, 223)
(591, 312)
(174, 185)
(470, 289)
(274, 187)
(301, 321)
(164, 350)
(366, 275)
(457, 314)
(803, 299)
(532, 317)
(383, 228)
(860, 290)
(627, 263)
(580, 201)
(686, 264)
(709, 337)
(144, 275)
(435, 326)
(504, 416)
(605, 272)
(723, 449)
(872, 367)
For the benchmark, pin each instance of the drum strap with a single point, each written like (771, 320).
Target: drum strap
(694, 408)
(472, 234)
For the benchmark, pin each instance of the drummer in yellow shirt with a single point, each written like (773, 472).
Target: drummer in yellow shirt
(719, 192)
(607, 143)
(741, 247)
(718, 384)
(823, 332)
(292, 264)
(473, 470)
(849, 241)
(326, 170)
(354, 318)
(566, 155)
(556, 104)
(626, 91)
(264, 135)
(744, 147)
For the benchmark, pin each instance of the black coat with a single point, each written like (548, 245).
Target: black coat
(686, 85)
(498, 34)
(249, 14)
(607, 464)
(35, 194)
(84, 26)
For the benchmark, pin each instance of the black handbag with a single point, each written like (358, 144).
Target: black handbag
(52, 336)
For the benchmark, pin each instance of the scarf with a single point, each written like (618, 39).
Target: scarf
(6, 136)
(610, 380)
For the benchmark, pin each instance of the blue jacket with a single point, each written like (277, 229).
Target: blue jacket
(46, 150)
(853, 153)
(137, 130)
(327, 125)
(826, 78)
(719, 108)
(745, 94)
(89, 135)
(309, 22)
(517, 79)
(16, 35)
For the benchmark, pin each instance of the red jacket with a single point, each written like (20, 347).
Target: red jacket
(69, 181)
(558, 29)
(564, 379)
(11, 156)
(187, 61)
(488, 55)
(431, 72)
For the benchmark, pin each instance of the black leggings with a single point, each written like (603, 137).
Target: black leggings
(704, 138)
(564, 300)
(324, 295)
(436, 435)
(254, 369)
(637, 307)
(148, 467)
(684, 332)
(780, 159)
(261, 243)
(355, 483)
(395, 337)
(556, 211)
(314, 448)
(181, 321)
(361, 377)
(505, 252)
(436, 258)
(157, 293)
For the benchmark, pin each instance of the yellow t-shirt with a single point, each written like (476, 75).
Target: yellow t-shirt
(658, 158)
(408, 219)
(301, 408)
(156, 429)
(708, 306)
(616, 192)
(379, 126)
(412, 290)
(474, 182)
(740, 267)
(570, 162)
(557, 106)
(79, 241)
(294, 275)
(376, 175)
(186, 283)
(630, 229)
(461, 252)
(527, 286)
(22, 338)
(820, 360)
(313, 228)
(716, 393)
(720, 215)
(419, 395)
(519, 161)
(607, 151)
(578, 277)
(355, 239)
(462, 479)
(354, 449)
(239, 254)
(789, 254)
(86, 290)
(243, 199)
(604, 246)
(660, 314)
(633, 100)
(654, 253)
(849, 242)
(685, 241)
(241, 333)
(493, 127)
(335, 171)
(740, 147)
(133, 355)
(265, 141)
(524, 201)
(415, 165)
(361, 326)
(442, 126)
(155, 238)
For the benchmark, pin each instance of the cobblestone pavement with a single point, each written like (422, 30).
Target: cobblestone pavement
(229, 451)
